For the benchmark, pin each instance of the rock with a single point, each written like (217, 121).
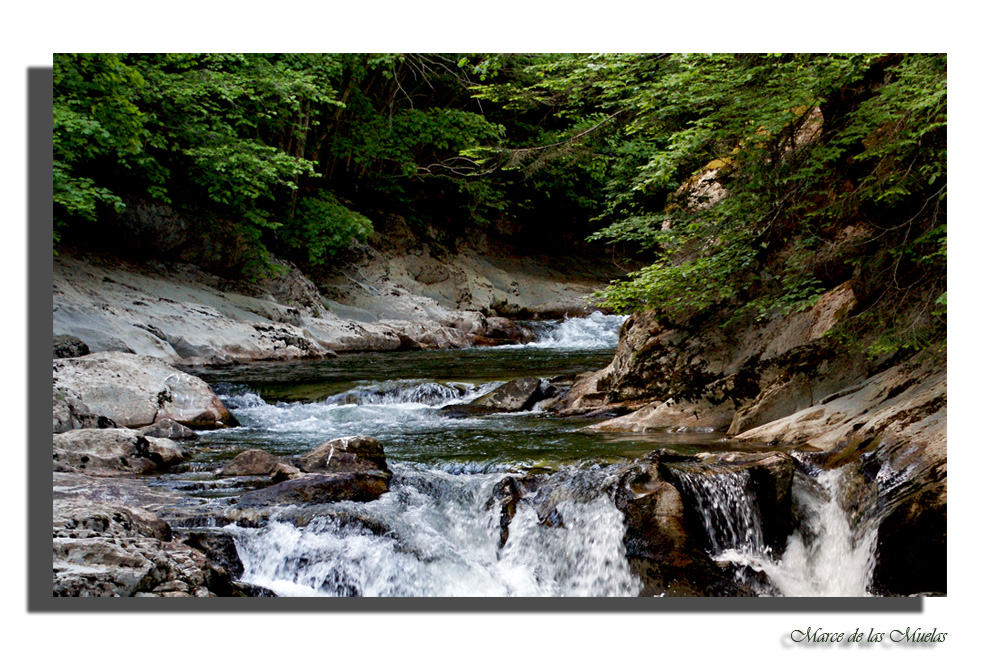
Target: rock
(69, 412)
(64, 346)
(132, 391)
(506, 495)
(511, 397)
(103, 549)
(348, 468)
(379, 300)
(168, 429)
(723, 377)
(735, 481)
(658, 541)
(252, 462)
(219, 548)
(346, 454)
(113, 452)
(363, 486)
(700, 414)
(502, 331)
(912, 553)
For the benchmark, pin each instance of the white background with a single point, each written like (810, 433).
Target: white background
(510, 641)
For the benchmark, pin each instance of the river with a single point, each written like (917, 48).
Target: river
(437, 532)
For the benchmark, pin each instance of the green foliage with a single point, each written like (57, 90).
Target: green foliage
(799, 145)
(740, 175)
(95, 124)
(323, 226)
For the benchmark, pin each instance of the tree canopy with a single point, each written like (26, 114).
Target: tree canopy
(746, 183)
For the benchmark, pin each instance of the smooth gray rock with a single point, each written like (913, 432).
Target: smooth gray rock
(131, 391)
(113, 452)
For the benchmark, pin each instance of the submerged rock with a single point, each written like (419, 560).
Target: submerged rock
(131, 391)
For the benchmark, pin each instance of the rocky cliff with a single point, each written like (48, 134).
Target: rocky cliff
(403, 292)
(786, 381)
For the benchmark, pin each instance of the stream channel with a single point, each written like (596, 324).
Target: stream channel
(437, 532)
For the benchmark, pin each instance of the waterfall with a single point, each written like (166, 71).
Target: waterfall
(829, 555)
(438, 534)
(727, 507)
(595, 331)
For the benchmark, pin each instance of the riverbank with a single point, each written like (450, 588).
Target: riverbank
(403, 298)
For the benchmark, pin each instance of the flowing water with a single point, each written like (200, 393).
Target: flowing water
(440, 531)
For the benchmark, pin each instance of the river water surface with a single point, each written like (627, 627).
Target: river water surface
(437, 532)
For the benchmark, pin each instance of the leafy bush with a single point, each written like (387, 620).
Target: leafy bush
(322, 226)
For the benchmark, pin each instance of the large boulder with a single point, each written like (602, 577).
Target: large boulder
(680, 509)
(750, 494)
(131, 391)
(113, 452)
(659, 544)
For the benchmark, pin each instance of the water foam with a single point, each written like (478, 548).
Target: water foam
(594, 332)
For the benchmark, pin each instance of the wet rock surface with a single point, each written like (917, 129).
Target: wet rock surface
(345, 454)
(511, 397)
(667, 535)
(320, 489)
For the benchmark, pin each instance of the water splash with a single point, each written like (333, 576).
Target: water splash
(437, 534)
(424, 392)
(828, 556)
(595, 331)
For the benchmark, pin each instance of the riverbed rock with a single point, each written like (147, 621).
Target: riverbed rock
(659, 545)
(114, 452)
(168, 429)
(345, 454)
(506, 495)
(363, 486)
(68, 346)
(254, 462)
(751, 478)
(132, 391)
(104, 549)
(511, 397)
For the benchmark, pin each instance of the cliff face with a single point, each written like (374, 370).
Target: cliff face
(884, 419)
(402, 292)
